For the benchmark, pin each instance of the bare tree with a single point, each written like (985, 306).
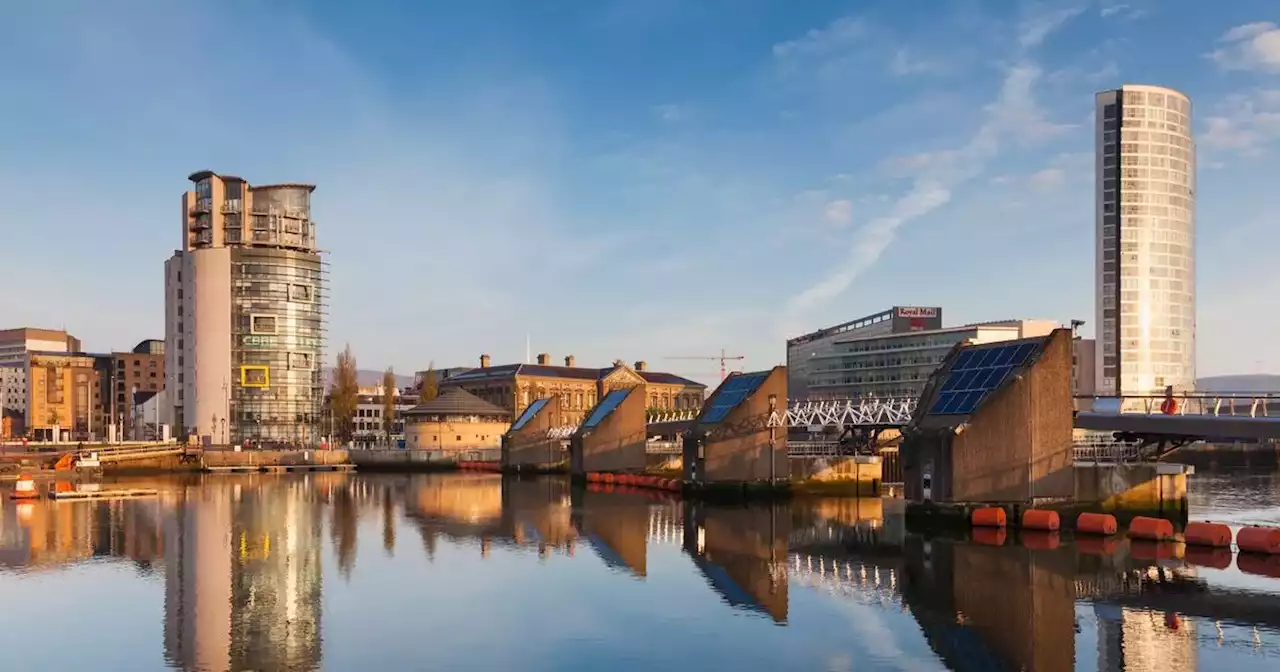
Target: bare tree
(388, 402)
(344, 395)
(430, 388)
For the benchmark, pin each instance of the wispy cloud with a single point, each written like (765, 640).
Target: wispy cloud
(672, 112)
(905, 63)
(838, 212)
(1014, 115)
(838, 34)
(1253, 46)
(1246, 123)
(1121, 12)
(1038, 25)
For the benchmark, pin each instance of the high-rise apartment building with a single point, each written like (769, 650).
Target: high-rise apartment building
(1145, 248)
(244, 314)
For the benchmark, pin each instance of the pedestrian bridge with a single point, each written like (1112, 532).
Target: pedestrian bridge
(1196, 416)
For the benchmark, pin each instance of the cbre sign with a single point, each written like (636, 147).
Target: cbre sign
(258, 341)
(916, 311)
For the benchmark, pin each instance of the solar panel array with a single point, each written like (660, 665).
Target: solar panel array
(605, 407)
(529, 412)
(731, 393)
(975, 374)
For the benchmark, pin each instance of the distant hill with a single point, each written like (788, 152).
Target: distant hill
(1256, 382)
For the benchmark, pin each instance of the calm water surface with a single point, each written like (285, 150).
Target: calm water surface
(471, 572)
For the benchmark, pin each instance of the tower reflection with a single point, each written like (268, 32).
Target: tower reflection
(243, 575)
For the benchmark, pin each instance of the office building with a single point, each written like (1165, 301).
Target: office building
(1083, 371)
(1145, 248)
(15, 346)
(802, 350)
(133, 391)
(245, 314)
(897, 364)
(62, 397)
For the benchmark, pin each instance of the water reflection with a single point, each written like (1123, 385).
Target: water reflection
(242, 580)
(239, 567)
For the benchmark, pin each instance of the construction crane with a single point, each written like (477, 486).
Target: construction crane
(722, 357)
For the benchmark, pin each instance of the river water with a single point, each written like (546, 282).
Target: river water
(471, 572)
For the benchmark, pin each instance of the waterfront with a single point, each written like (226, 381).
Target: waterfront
(470, 572)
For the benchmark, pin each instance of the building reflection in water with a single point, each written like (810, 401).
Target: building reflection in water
(616, 525)
(743, 553)
(45, 535)
(992, 608)
(243, 575)
(514, 513)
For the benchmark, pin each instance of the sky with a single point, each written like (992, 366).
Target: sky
(628, 179)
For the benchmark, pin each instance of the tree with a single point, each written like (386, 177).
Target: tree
(430, 388)
(388, 402)
(344, 395)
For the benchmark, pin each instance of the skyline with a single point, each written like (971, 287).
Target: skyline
(863, 158)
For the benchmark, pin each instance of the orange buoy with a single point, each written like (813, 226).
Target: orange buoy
(24, 488)
(1209, 556)
(989, 536)
(1103, 546)
(1151, 529)
(1037, 519)
(1096, 523)
(992, 516)
(1040, 540)
(1258, 539)
(1208, 534)
(1261, 565)
(606, 478)
(1169, 406)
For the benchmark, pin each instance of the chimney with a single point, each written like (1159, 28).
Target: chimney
(640, 365)
(484, 361)
(568, 361)
(544, 358)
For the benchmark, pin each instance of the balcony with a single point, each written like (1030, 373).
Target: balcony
(203, 238)
(200, 223)
(202, 206)
(232, 235)
(231, 207)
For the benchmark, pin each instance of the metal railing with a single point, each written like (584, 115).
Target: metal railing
(1246, 404)
(1105, 450)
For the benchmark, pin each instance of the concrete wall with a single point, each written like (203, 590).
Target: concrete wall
(1132, 487)
(208, 378)
(529, 445)
(861, 469)
(738, 448)
(230, 458)
(617, 443)
(1017, 447)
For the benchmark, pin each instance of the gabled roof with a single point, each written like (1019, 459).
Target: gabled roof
(457, 401)
(972, 374)
(507, 371)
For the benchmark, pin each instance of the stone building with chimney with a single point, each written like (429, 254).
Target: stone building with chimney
(515, 386)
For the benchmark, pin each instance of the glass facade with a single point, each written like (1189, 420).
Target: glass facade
(277, 353)
(1146, 232)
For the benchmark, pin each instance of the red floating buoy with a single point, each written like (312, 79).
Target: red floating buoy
(1151, 529)
(1216, 535)
(1096, 523)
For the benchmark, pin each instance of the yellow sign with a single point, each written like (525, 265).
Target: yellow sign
(255, 376)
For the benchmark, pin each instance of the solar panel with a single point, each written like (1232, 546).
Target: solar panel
(975, 373)
(731, 393)
(529, 412)
(605, 407)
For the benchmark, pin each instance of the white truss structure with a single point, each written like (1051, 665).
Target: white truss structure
(673, 415)
(894, 412)
(561, 432)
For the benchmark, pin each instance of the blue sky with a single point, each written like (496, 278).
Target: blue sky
(628, 179)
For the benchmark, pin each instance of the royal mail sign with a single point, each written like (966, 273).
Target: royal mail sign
(916, 311)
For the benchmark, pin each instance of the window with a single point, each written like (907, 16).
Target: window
(262, 324)
(301, 293)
